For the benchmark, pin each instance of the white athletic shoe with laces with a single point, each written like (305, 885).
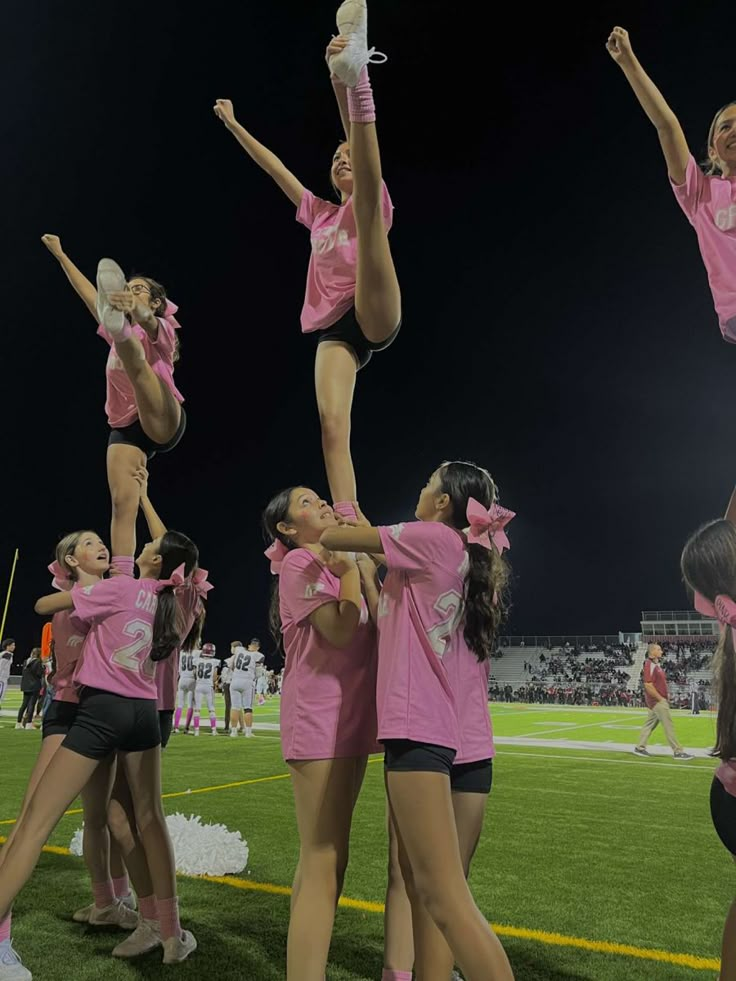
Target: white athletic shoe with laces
(352, 22)
(145, 937)
(177, 949)
(118, 915)
(82, 915)
(11, 966)
(110, 279)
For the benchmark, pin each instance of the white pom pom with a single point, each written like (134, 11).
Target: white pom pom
(75, 846)
(206, 849)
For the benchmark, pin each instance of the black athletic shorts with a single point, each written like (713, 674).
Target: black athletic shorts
(405, 754)
(59, 718)
(107, 723)
(347, 329)
(133, 435)
(472, 778)
(723, 812)
(165, 724)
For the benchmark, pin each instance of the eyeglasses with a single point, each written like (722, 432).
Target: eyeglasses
(138, 289)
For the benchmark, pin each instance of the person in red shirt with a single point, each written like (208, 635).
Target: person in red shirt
(655, 695)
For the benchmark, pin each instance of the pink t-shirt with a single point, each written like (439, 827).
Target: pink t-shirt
(418, 616)
(120, 404)
(331, 275)
(119, 613)
(69, 636)
(469, 681)
(167, 671)
(328, 701)
(710, 206)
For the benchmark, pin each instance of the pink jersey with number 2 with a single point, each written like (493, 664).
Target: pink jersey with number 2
(418, 616)
(119, 613)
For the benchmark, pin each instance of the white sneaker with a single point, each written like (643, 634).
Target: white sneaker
(145, 937)
(248, 733)
(18, 725)
(214, 732)
(30, 725)
(177, 949)
(110, 279)
(233, 733)
(117, 915)
(82, 915)
(352, 22)
(11, 968)
(196, 732)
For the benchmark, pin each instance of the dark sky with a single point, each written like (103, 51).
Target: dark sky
(558, 327)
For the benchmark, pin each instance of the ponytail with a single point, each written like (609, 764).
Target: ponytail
(724, 664)
(276, 511)
(484, 600)
(167, 626)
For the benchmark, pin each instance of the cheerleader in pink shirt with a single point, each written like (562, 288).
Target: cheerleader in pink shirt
(353, 299)
(471, 776)
(328, 710)
(708, 195)
(439, 582)
(143, 404)
(132, 624)
(708, 565)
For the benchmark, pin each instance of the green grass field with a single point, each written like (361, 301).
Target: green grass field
(589, 843)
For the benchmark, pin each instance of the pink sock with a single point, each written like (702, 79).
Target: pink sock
(121, 887)
(196, 723)
(103, 893)
(5, 928)
(213, 722)
(168, 917)
(177, 718)
(190, 713)
(360, 101)
(147, 907)
(389, 975)
(346, 510)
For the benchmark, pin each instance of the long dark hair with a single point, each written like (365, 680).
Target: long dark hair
(167, 626)
(486, 581)
(708, 565)
(277, 510)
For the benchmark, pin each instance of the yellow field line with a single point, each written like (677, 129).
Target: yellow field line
(501, 929)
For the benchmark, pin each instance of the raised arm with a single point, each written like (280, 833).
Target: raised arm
(156, 527)
(338, 621)
(266, 160)
(336, 45)
(82, 286)
(671, 137)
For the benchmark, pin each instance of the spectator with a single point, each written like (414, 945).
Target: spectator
(31, 684)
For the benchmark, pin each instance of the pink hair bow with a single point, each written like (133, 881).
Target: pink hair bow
(199, 579)
(723, 609)
(62, 580)
(276, 553)
(487, 526)
(179, 579)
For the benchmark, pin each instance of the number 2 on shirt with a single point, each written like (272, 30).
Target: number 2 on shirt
(450, 606)
(127, 657)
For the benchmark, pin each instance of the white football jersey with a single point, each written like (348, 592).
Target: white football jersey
(187, 664)
(243, 665)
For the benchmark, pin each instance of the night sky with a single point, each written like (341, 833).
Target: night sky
(558, 326)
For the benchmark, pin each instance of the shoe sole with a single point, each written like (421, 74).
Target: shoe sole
(138, 953)
(110, 279)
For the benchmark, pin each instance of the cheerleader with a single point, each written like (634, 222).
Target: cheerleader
(353, 298)
(143, 406)
(438, 579)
